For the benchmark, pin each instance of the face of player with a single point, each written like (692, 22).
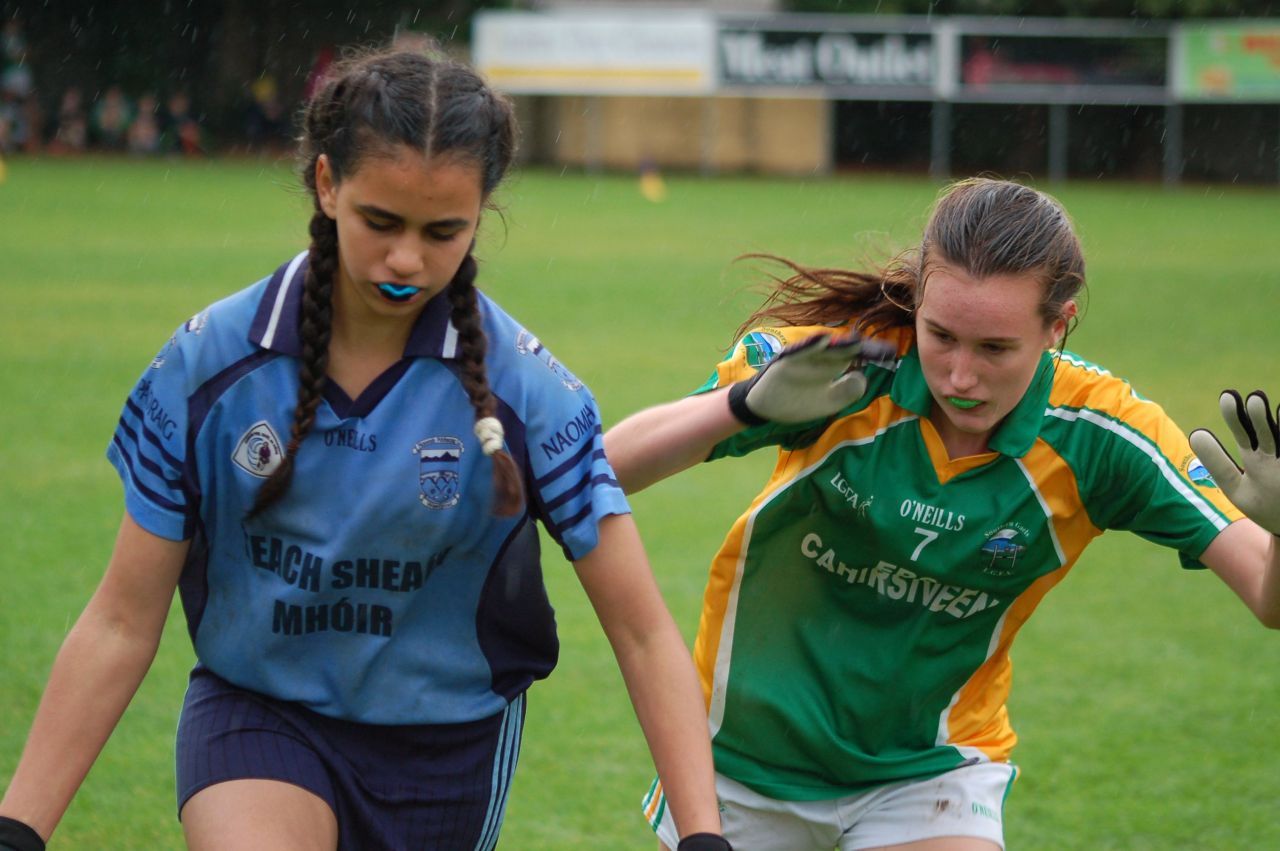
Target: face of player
(405, 223)
(980, 342)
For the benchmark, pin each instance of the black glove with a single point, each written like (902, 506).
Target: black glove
(17, 836)
(704, 842)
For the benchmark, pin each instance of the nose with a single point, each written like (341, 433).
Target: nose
(961, 374)
(404, 259)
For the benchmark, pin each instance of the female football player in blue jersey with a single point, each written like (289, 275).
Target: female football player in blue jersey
(942, 464)
(340, 469)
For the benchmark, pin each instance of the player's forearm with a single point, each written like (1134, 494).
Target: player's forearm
(668, 702)
(659, 442)
(93, 679)
(1269, 594)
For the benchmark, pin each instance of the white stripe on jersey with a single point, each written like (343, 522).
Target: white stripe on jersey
(1143, 442)
(449, 348)
(724, 652)
(269, 337)
(504, 766)
(1048, 512)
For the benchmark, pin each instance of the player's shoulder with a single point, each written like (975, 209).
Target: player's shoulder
(1080, 384)
(216, 336)
(520, 362)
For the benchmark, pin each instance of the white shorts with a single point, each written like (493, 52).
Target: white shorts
(966, 801)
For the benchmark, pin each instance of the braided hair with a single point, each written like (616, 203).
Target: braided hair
(370, 105)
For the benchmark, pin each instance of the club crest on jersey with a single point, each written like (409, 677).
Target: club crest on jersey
(1198, 473)
(259, 451)
(999, 553)
(196, 323)
(439, 463)
(760, 347)
(527, 344)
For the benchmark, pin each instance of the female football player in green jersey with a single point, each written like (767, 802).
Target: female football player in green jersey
(942, 463)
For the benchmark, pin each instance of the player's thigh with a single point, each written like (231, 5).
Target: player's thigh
(263, 815)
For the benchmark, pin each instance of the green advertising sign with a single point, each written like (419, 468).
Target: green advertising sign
(1237, 61)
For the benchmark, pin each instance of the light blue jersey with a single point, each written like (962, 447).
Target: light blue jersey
(381, 588)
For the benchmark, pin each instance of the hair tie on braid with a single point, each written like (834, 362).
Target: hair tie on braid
(491, 435)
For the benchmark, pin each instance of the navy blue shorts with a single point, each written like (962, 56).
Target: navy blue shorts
(439, 786)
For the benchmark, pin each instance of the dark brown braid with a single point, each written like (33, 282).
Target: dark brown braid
(371, 106)
(317, 323)
(508, 491)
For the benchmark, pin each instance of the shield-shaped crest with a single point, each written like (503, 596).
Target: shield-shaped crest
(439, 462)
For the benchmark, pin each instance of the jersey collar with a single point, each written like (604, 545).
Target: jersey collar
(279, 317)
(1015, 436)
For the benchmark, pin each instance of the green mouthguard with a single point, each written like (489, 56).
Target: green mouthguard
(963, 403)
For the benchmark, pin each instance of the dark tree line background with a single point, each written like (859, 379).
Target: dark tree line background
(217, 49)
(1140, 9)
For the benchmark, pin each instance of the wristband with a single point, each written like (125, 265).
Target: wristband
(704, 842)
(738, 403)
(19, 836)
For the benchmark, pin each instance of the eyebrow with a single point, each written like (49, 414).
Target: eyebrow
(379, 213)
(935, 326)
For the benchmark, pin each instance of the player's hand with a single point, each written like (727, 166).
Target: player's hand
(704, 842)
(1255, 489)
(809, 380)
(18, 836)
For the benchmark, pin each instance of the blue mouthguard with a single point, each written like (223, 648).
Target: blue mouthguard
(397, 292)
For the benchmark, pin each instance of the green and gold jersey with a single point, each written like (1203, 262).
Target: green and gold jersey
(857, 620)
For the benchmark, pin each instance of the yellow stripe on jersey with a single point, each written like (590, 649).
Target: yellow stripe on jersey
(726, 568)
(978, 717)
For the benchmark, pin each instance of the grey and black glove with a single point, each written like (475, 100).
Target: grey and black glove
(808, 380)
(1253, 486)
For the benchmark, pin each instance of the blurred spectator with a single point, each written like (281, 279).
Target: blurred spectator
(111, 118)
(19, 110)
(180, 131)
(71, 125)
(265, 125)
(144, 131)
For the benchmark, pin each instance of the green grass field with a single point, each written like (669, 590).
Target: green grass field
(1147, 698)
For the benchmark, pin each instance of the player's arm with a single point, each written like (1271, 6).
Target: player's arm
(658, 442)
(1246, 555)
(657, 670)
(99, 667)
(807, 381)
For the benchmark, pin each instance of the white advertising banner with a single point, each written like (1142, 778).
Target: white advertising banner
(596, 52)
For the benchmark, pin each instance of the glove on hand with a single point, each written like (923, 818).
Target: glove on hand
(17, 836)
(1255, 490)
(809, 380)
(704, 842)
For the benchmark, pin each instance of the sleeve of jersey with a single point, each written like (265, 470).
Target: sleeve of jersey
(1149, 482)
(748, 356)
(149, 448)
(573, 486)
